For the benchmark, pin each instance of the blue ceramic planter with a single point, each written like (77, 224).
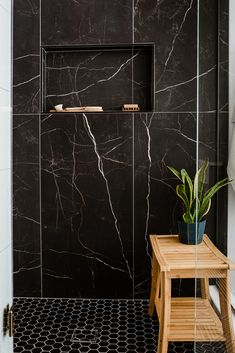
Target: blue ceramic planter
(187, 232)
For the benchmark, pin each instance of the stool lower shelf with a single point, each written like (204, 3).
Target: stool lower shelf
(194, 320)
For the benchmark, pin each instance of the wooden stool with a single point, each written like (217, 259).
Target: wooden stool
(190, 319)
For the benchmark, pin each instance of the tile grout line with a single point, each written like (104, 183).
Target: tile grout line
(133, 206)
(133, 169)
(133, 21)
(39, 140)
(12, 154)
(124, 326)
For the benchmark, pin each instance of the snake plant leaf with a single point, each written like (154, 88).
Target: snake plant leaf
(204, 209)
(188, 185)
(175, 172)
(183, 175)
(210, 193)
(195, 207)
(199, 180)
(180, 191)
(188, 218)
(206, 202)
(196, 202)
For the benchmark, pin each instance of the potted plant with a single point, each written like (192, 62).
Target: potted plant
(196, 202)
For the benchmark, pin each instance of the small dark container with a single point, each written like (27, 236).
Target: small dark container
(187, 232)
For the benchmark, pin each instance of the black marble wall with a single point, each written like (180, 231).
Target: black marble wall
(90, 188)
(26, 56)
(87, 214)
(26, 205)
(213, 102)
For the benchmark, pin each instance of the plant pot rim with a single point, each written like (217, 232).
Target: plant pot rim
(182, 221)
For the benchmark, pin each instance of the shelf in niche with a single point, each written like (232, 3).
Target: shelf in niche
(99, 113)
(105, 75)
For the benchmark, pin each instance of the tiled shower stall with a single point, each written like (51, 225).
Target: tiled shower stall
(89, 188)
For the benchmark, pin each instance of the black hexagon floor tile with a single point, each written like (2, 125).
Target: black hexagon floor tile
(91, 326)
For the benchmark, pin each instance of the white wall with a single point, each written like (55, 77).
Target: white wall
(231, 194)
(6, 345)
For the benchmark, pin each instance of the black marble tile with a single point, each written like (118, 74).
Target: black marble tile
(160, 140)
(214, 148)
(213, 128)
(26, 56)
(207, 133)
(104, 76)
(223, 54)
(213, 145)
(213, 55)
(26, 206)
(173, 27)
(87, 205)
(222, 197)
(207, 150)
(86, 22)
(208, 55)
(121, 326)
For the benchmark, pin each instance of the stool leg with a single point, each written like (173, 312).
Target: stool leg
(205, 293)
(155, 281)
(226, 312)
(164, 319)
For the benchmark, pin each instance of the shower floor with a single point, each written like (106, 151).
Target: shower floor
(92, 326)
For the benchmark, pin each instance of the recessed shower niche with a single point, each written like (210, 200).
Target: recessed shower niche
(107, 76)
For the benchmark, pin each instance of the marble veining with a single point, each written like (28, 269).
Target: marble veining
(147, 125)
(101, 170)
(176, 35)
(26, 205)
(89, 189)
(159, 141)
(26, 56)
(173, 29)
(109, 77)
(92, 22)
(81, 213)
